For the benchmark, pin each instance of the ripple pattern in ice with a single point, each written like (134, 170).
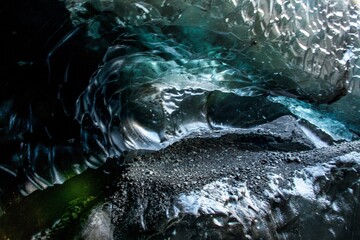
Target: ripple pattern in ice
(183, 66)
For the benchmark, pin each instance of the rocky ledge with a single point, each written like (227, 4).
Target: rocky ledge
(267, 183)
(270, 182)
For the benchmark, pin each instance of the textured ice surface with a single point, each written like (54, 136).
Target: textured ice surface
(176, 67)
(337, 130)
(314, 43)
(179, 67)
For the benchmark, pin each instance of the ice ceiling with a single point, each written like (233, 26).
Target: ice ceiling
(128, 76)
(171, 68)
(180, 66)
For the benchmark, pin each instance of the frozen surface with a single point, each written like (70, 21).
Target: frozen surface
(283, 73)
(182, 67)
(171, 68)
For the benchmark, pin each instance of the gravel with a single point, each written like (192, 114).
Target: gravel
(152, 180)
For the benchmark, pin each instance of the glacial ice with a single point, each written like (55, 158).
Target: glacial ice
(172, 68)
(181, 67)
(176, 67)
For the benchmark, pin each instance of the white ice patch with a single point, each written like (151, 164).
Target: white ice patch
(98, 226)
(304, 187)
(318, 143)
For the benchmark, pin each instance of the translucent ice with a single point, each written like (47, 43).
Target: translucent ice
(175, 67)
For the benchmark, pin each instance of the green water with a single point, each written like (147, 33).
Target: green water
(57, 211)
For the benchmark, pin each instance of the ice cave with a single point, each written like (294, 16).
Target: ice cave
(180, 119)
